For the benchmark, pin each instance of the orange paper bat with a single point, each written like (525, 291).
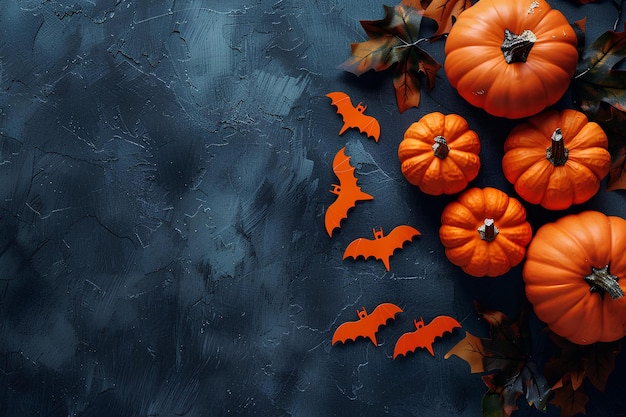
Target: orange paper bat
(353, 116)
(367, 325)
(424, 335)
(348, 192)
(381, 247)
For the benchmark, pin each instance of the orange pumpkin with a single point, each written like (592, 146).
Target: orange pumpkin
(556, 159)
(439, 154)
(575, 276)
(512, 58)
(485, 232)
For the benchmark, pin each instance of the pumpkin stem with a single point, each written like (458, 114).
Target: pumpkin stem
(488, 230)
(602, 281)
(440, 147)
(557, 153)
(516, 48)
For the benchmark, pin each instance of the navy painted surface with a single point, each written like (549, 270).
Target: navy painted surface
(165, 168)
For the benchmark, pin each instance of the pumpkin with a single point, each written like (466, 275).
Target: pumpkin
(485, 232)
(512, 58)
(575, 276)
(556, 159)
(439, 154)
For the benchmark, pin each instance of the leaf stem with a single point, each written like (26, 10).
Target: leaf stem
(406, 44)
(619, 6)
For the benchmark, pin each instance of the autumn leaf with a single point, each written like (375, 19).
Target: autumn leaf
(570, 400)
(575, 365)
(471, 350)
(596, 80)
(599, 90)
(505, 359)
(443, 12)
(392, 41)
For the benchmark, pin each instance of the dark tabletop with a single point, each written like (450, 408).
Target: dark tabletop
(166, 168)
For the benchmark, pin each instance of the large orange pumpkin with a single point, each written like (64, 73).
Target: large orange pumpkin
(556, 159)
(575, 275)
(485, 232)
(512, 58)
(439, 154)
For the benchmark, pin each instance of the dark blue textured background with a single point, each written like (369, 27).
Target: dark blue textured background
(165, 168)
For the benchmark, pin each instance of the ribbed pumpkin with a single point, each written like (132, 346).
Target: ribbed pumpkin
(485, 232)
(439, 154)
(512, 58)
(575, 276)
(556, 159)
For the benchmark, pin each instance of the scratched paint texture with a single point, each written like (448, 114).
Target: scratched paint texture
(164, 170)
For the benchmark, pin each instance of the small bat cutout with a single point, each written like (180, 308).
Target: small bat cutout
(424, 335)
(353, 115)
(367, 325)
(348, 192)
(381, 247)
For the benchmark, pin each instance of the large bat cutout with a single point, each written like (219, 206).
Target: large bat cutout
(381, 247)
(424, 335)
(348, 192)
(353, 116)
(367, 325)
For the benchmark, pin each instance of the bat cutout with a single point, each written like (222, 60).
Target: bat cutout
(424, 335)
(353, 115)
(347, 192)
(367, 325)
(381, 247)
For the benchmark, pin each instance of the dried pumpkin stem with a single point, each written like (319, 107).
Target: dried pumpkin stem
(557, 153)
(516, 48)
(440, 147)
(602, 281)
(488, 230)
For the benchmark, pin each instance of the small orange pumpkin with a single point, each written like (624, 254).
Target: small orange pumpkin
(439, 154)
(512, 58)
(556, 159)
(485, 232)
(575, 276)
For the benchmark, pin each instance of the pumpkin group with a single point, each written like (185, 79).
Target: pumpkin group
(556, 159)
(439, 154)
(485, 232)
(512, 58)
(575, 276)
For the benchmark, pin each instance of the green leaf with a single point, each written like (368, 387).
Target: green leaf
(492, 405)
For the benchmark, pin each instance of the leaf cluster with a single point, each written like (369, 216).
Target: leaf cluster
(506, 362)
(394, 41)
(510, 370)
(599, 91)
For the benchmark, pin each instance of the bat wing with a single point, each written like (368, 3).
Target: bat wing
(347, 195)
(409, 342)
(369, 125)
(366, 248)
(351, 330)
(367, 326)
(381, 248)
(382, 313)
(424, 337)
(353, 118)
